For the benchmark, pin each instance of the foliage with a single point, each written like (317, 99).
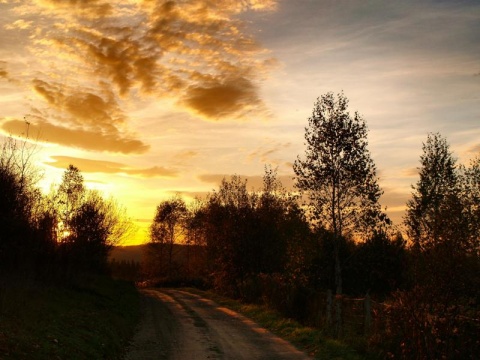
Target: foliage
(25, 241)
(435, 196)
(338, 173)
(251, 233)
(439, 312)
(377, 266)
(90, 225)
(339, 178)
(310, 340)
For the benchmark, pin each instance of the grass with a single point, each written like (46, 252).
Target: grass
(312, 341)
(93, 320)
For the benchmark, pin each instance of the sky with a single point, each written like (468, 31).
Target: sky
(150, 98)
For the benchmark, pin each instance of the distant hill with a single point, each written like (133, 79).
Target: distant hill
(128, 253)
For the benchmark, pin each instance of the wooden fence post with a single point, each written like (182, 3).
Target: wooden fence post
(368, 313)
(329, 308)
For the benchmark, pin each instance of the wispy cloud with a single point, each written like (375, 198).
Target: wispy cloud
(74, 137)
(109, 167)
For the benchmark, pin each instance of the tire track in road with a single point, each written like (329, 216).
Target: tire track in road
(179, 325)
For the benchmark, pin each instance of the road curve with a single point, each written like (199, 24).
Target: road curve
(182, 326)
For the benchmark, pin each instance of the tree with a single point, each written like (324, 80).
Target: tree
(20, 206)
(435, 197)
(441, 224)
(69, 196)
(90, 225)
(338, 174)
(229, 225)
(168, 225)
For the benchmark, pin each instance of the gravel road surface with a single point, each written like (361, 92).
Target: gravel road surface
(182, 326)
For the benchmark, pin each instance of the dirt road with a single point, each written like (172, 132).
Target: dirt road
(179, 325)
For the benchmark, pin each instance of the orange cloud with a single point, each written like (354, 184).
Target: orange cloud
(88, 8)
(196, 52)
(3, 71)
(109, 167)
(84, 108)
(219, 99)
(77, 137)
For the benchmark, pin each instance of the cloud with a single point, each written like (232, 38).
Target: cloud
(19, 24)
(83, 108)
(222, 98)
(265, 152)
(3, 70)
(196, 52)
(76, 137)
(84, 118)
(109, 167)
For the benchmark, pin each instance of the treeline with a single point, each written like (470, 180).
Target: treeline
(332, 237)
(55, 237)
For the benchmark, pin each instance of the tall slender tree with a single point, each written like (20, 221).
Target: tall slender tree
(69, 196)
(337, 173)
(435, 197)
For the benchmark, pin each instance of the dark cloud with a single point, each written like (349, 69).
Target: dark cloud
(220, 99)
(77, 137)
(109, 167)
(3, 70)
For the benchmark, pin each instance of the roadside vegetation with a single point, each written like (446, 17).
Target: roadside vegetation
(310, 340)
(56, 298)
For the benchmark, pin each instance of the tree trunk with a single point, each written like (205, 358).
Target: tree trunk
(338, 291)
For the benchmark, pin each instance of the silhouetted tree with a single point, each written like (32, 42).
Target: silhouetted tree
(90, 225)
(69, 198)
(338, 174)
(435, 198)
(20, 211)
(168, 226)
(443, 302)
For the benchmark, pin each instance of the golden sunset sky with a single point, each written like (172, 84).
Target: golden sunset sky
(149, 98)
